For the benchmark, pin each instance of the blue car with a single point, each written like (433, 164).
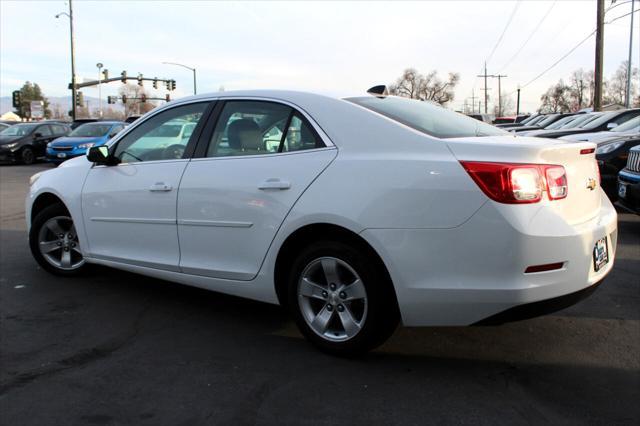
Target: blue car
(81, 139)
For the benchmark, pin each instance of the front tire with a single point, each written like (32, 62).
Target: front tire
(54, 242)
(341, 299)
(27, 156)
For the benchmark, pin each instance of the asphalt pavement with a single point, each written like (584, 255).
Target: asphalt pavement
(114, 348)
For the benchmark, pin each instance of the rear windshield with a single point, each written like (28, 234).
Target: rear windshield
(428, 118)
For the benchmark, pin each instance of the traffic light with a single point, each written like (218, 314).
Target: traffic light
(173, 85)
(79, 99)
(105, 74)
(123, 77)
(139, 79)
(167, 83)
(167, 98)
(124, 99)
(143, 98)
(155, 82)
(17, 98)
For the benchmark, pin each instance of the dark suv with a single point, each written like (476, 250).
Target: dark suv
(26, 142)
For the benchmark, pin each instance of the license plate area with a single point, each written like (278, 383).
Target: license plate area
(62, 155)
(622, 190)
(600, 254)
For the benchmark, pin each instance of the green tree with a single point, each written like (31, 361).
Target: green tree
(32, 92)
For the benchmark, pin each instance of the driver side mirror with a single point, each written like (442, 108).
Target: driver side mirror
(100, 155)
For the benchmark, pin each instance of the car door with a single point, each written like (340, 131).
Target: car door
(129, 209)
(41, 137)
(256, 162)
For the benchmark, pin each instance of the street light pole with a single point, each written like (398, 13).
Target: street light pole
(628, 91)
(193, 70)
(99, 65)
(73, 60)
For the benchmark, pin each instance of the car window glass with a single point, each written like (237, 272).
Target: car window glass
(248, 128)
(427, 117)
(115, 130)
(44, 130)
(161, 136)
(300, 136)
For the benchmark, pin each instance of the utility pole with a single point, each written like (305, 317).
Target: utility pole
(499, 77)
(486, 93)
(597, 98)
(518, 103)
(473, 102)
(628, 91)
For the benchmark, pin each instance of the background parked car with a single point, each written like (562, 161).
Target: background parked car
(4, 126)
(605, 121)
(630, 128)
(570, 122)
(629, 182)
(26, 142)
(521, 121)
(487, 118)
(82, 138)
(542, 124)
(612, 157)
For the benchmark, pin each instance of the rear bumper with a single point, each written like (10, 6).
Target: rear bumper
(463, 275)
(542, 307)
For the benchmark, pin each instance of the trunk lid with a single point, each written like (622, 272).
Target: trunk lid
(583, 199)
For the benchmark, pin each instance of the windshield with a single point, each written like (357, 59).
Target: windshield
(561, 122)
(578, 120)
(550, 119)
(629, 126)
(536, 120)
(602, 119)
(18, 130)
(428, 118)
(90, 130)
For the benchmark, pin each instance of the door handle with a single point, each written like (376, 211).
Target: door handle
(160, 187)
(274, 183)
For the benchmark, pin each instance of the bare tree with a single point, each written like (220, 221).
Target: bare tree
(617, 85)
(427, 87)
(508, 107)
(556, 98)
(579, 90)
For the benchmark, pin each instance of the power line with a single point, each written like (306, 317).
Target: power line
(506, 27)
(535, 30)
(558, 61)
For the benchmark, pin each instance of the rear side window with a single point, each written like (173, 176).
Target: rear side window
(428, 118)
(259, 128)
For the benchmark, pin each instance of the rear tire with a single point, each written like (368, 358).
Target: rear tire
(27, 156)
(54, 242)
(342, 301)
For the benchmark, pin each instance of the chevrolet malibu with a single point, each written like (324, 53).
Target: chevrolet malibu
(353, 213)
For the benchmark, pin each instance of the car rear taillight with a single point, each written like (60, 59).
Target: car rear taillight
(514, 183)
(556, 179)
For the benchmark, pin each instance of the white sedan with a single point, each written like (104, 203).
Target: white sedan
(366, 211)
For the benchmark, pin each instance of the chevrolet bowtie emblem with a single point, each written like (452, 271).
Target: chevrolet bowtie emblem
(591, 184)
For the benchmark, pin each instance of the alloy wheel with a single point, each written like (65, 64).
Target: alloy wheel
(58, 243)
(332, 299)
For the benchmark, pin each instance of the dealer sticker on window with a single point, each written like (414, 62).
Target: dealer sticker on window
(600, 254)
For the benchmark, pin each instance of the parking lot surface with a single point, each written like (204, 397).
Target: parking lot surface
(122, 349)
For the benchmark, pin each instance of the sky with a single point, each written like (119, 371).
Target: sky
(337, 48)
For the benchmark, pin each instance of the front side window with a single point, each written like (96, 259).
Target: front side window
(161, 137)
(428, 118)
(258, 128)
(44, 130)
(19, 130)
